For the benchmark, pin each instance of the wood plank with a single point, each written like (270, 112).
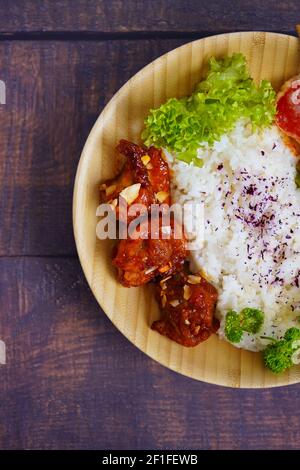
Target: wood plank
(73, 381)
(119, 16)
(55, 91)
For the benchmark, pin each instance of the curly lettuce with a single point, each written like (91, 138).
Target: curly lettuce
(227, 94)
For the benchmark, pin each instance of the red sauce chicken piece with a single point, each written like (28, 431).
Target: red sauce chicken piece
(144, 166)
(140, 260)
(187, 303)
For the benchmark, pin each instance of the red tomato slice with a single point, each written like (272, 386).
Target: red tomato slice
(288, 109)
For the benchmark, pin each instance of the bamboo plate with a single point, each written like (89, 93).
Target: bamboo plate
(270, 56)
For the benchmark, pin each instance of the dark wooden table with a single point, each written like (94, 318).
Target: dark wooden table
(71, 379)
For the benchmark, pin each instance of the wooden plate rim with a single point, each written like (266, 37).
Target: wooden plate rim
(80, 173)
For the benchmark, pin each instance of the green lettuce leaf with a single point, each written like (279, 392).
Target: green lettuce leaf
(226, 95)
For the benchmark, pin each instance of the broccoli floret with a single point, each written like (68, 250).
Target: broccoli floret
(251, 320)
(292, 334)
(279, 355)
(233, 330)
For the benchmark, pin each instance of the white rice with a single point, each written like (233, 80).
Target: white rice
(251, 250)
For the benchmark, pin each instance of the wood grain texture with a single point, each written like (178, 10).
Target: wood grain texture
(55, 92)
(166, 16)
(270, 56)
(72, 381)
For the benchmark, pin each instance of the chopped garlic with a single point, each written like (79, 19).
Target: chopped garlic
(161, 196)
(131, 193)
(165, 279)
(111, 189)
(145, 159)
(164, 268)
(150, 270)
(192, 279)
(187, 292)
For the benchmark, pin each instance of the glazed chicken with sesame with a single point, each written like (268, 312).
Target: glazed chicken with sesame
(158, 251)
(143, 180)
(187, 303)
(140, 260)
